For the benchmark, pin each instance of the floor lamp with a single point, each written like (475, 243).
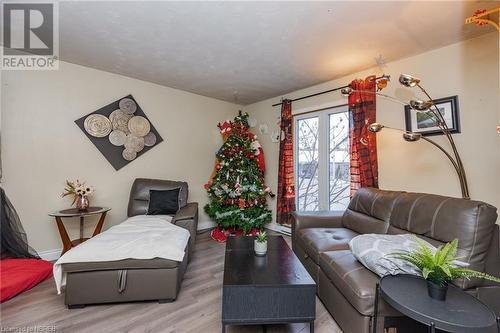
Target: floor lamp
(423, 106)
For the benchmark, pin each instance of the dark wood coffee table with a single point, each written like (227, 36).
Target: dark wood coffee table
(272, 289)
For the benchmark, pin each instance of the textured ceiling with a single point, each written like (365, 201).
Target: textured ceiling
(244, 52)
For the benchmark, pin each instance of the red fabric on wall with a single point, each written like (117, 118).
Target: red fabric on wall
(286, 188)
(18, 275)
(363, 143)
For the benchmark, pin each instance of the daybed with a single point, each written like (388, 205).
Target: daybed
(135, 279)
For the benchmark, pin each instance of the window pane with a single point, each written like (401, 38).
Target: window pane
(339, 161)
(307, 169)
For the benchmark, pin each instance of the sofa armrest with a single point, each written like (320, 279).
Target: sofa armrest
(188, 212)
(321, 219)
(187, 218)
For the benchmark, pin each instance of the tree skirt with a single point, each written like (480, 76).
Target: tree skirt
(220, 234)
(19, 275)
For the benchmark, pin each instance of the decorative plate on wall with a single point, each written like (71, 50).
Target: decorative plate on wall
(120, 130)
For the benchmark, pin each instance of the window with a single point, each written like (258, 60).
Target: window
(322, 159)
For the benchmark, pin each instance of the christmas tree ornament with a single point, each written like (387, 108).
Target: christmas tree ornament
(259, 153)
(241, 203)
(237, 190)
(225, 127)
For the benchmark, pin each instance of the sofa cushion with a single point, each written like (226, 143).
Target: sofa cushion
(163, 202)
(139, 194)
(369, 211)
(396, 231)
(317, 240)
(356, 283)
(444, 219)
(363, 224)
(374, 202)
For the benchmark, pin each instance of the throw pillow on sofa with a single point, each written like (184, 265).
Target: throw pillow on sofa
(375, 251)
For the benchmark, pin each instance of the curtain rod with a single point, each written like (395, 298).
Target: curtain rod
(331, 90)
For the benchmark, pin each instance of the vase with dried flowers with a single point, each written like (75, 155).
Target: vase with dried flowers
(80, 193)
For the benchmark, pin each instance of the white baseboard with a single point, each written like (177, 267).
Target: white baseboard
(206, 225)
(279, 228)
(50, 255)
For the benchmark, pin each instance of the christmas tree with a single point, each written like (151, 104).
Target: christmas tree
(237, 190)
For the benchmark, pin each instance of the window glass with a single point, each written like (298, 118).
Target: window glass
(308, 163)
(322, 160)
(338, 161)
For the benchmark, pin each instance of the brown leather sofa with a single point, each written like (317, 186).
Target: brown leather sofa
(133, 279)
(347, 288)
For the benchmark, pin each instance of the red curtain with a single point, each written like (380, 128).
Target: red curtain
(363, 143)
(286, 189)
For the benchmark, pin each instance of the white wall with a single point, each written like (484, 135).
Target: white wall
(468, 69)
(42, 146)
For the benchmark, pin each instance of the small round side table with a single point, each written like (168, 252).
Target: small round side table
(460, 312)
(73, 212)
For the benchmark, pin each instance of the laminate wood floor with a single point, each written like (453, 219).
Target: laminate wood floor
(197, 308)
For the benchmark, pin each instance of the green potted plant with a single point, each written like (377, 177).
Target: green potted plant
(440, 268)
(260, 243)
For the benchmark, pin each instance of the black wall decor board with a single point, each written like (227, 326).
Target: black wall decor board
(113, 153)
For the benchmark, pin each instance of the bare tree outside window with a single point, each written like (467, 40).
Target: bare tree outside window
(308, 155)
(339, 161)
(314, 191)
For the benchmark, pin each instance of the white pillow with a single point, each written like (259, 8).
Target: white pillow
(375, 251)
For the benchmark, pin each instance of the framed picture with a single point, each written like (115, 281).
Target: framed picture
(425, 122)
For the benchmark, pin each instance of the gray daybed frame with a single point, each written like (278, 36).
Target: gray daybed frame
(133, 279)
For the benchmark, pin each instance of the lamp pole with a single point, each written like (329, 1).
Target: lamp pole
(445, 129)
(412, 137)
(419, 106)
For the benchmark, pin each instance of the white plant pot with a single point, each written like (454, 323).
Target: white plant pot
(260, 248)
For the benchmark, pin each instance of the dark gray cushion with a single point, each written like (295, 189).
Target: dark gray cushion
(356, 283)
(317, 240)
(369, 210)
(374, 202)
(163, 202)
(139, 194)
